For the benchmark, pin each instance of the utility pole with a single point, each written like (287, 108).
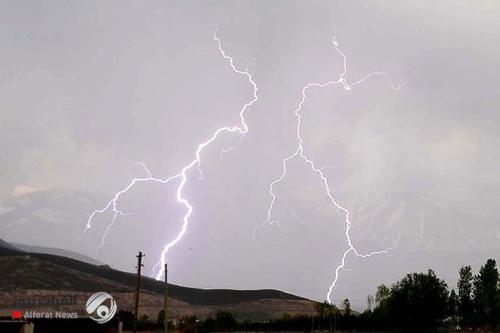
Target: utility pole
(137, 289)
(165, 302)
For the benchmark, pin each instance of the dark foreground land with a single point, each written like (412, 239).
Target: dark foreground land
(419, 302)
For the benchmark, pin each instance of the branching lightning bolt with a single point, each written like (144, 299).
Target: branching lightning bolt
(299, 152)
(242, 129)
(182, 176)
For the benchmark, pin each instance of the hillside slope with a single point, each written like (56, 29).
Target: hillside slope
(23, 271)
(57, 252)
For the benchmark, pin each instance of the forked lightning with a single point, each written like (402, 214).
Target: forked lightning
(182, 176)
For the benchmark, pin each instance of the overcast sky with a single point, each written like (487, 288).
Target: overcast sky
(89, 88)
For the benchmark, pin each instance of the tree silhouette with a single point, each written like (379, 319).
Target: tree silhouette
(321, 310)
(346, 305)
(486, 294)
(419, 302)
(465, 303)
(224, 321)
(369, 303)
(453, 307)
(383, 293)
(331, 313)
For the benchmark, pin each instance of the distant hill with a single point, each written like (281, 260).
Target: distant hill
(22, 270)
(56, 251)
(6, 248)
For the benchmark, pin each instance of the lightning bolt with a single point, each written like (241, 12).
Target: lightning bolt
(300, 153)
(182, 175)
(242, 129)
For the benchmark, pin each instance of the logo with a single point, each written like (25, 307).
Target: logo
(101, 307)
(17, 314)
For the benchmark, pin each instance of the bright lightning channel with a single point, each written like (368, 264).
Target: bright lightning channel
(182, 176)
(299, 152)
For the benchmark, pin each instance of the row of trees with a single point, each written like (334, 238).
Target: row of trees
(477, 302)
(420, 302)
(423, 302)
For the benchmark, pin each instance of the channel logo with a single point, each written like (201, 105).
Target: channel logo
(16, 314)
(101, 307)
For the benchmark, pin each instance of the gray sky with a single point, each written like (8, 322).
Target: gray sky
(89, 88)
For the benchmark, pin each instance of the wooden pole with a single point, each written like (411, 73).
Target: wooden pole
(165, 302)
(137, 290)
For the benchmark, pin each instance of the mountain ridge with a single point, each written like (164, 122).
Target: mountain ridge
(28, 271)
